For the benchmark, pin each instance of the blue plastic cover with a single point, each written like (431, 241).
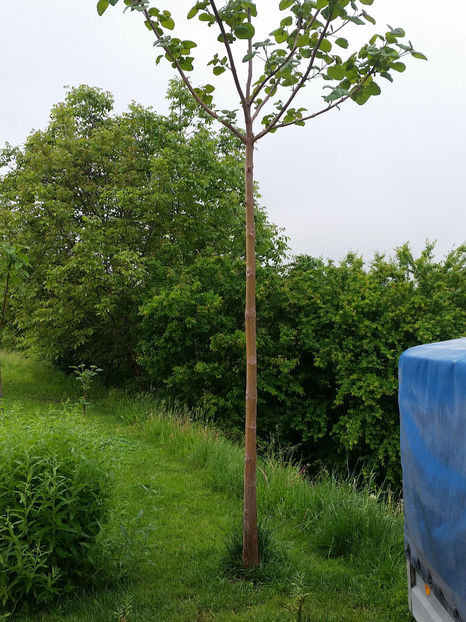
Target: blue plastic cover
(432, 399)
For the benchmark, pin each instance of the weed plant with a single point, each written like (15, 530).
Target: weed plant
(53, 501)
(85, 376)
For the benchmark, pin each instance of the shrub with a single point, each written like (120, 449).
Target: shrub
(329, 338)
(53, 499)
(356, 522)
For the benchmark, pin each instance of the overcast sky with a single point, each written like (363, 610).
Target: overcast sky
(363, 178)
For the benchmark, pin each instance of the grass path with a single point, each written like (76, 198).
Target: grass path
(183, 514)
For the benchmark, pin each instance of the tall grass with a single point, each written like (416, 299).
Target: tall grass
(273, 563)
(338, 517)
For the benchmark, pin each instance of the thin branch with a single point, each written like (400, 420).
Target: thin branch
(189, 86)
(272, 74)
(249, 80)
(300, 84)
(329, 107)
(234, 71)
(345, 23)
(282, 64)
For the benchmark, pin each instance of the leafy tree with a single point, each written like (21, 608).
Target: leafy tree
(192, 340)
(107, 204)
(305, 46)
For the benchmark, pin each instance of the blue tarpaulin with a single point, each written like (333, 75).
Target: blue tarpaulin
(432, 399)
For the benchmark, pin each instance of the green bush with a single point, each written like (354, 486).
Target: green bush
(329, 337)
(353, 322)
(53, 500)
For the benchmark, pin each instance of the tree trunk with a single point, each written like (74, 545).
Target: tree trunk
(2, 323)
(250, 545)
(1, 390)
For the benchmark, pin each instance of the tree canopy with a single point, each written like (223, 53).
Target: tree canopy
(107, 204)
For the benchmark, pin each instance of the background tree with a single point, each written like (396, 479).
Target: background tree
(305, 46)
(329, 334)
(108, 205)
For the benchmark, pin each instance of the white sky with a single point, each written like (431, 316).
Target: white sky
(364, 178)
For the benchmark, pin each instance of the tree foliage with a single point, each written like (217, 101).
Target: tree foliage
(107, 205)
(329, 338)
(133, 226)
(355, 322)
(14, 264)
(304, 46)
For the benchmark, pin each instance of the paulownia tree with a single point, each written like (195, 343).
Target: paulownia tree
(269, 74)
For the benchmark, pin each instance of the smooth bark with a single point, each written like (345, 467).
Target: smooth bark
(250, 543)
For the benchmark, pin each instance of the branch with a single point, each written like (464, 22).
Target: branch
(249, 81)
(329, 107)
(300, 84)
(189, 86)
(287, 59)
(345, 23)
(219, 21)
(272, 74)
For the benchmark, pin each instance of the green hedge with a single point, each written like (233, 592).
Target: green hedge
(329, 339)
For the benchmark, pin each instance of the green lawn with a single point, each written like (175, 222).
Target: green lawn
(177, 493)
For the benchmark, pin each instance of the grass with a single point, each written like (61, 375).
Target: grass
(176, 502)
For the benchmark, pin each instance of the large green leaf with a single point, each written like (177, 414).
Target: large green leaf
(102, 6)
(336, 72)
(193, 12)
(398, 66)
(280, 35)
(325, 45)
(245, 31)
(167, 22)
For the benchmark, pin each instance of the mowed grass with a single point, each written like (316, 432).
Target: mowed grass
(176, 498)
